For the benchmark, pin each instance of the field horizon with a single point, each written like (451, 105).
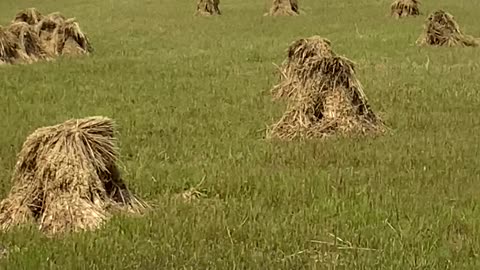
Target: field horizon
(190, 97)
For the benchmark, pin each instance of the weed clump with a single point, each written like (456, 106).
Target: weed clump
(284, 8)
(441, 29)
(65, 179)
(405, 8)
(323, 95)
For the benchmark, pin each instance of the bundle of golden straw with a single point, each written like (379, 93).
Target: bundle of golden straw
(208, 7)
(10, 48)
(441, 29)
(323, 95)
(404, 8)
(29, 41)
(62, 36)
(30, 15)
(66, 179)
(284, 8)
(32, 37)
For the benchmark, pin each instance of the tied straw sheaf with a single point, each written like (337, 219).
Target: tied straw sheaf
(208, 8)
(32, 37)
(405, 8)
(323, 95)
(441, 29)
(284, 8)
(66, 179)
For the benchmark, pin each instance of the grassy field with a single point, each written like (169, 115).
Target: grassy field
(190, 97)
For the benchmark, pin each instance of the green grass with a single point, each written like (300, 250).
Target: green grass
(190, 96)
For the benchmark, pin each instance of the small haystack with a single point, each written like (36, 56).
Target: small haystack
(66, 179)
(441, 29)
(29, 41)
(284, 8)
(208, 7)
(323, 95)
(405, 8)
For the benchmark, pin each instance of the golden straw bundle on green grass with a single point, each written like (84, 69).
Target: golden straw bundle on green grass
(63, 36)
(405, 8)
(10, 49)
(284, 8)
(33, 36)
(66, 179)
(323, 95)
(29, 41)
(30, 15)
(208, 7)
(441, 29)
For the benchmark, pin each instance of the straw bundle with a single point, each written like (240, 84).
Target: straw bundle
(66, 179)
(284, 8)
(63, 36)
(75, 41)
(323, 95)
(10, 49)
(208, 7)
(405, 8)
(28, 41)
(441, 29)
(30, 16)
(32, 37)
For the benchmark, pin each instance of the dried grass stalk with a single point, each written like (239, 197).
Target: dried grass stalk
(66, 179)
(441, 29)
(323, 95)
(191, 195)
(405, 8)
(284, 8)
(208, 7)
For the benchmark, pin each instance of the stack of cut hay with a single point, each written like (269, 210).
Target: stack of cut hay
(32, 37)
(441, 29)
(405, 8)
(60, 36)
(323, 95)
(208, 7)
(66, 179)
(284, 8)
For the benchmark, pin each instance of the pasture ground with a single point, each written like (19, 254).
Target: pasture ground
(190, 96)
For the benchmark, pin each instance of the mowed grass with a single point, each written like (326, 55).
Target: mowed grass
(190, 97)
